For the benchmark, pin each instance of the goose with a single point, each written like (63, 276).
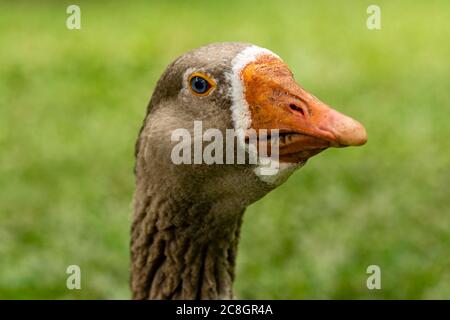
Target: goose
(187, 217)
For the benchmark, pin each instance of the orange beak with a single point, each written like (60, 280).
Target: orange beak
(306, 125)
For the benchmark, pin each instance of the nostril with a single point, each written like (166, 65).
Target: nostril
(296, 108)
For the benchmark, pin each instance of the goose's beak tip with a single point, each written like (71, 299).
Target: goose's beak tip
(351, 133)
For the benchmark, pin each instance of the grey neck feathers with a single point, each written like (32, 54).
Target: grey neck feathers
(181, 249)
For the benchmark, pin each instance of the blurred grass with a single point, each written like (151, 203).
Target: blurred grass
(71, 103)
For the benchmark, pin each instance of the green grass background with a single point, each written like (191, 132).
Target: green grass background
(71, 104)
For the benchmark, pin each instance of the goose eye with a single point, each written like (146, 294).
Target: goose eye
(199, 85)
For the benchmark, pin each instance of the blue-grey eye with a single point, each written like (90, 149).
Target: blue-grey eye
(199, 85)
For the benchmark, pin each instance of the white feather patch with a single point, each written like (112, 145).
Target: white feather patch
(284, 171)
(239, 109)
(241, 116)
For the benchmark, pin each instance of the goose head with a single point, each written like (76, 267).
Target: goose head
(187, 215)
(241, 87)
